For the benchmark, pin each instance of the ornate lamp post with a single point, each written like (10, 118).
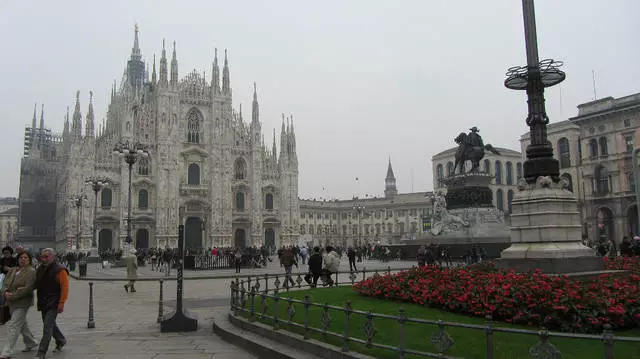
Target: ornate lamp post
(78, 202)
(96, 184)
(533, 78)
(360, 209)
(131, 153)
(636, 179)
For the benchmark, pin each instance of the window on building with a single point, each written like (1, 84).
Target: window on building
(193, 174)
(628, 141)
(268, 201)
(449, 169)
(593, 148)
(193, 127)
(487, 166)
(602, 180)
(509, 199)
(498, 172)
(564, 153)
(509, 174)
(311, 229)
(627, 122)
(143, 199)
(499, 200)
(519, 173)
(302, 229)
(240, 169)
(631, 182)
(106, 198)
(144, 166)
(439, 174)
(240, 201)
(603, 146)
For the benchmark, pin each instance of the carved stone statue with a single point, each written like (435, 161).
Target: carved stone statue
(443, 221)
(471, 148)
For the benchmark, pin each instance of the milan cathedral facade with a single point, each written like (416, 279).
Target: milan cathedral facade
(207, 168)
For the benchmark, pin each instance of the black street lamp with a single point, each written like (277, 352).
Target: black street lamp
(131, 153)
(78, 202)
(360, 209)
(97, 184)
(533, 78)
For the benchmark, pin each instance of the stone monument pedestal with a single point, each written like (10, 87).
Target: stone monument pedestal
(546, 231)
(469, 190)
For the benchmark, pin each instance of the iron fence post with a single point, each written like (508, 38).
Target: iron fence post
(607, 339)
(364, 271)
(253, 307)
(388, 269)
(161, 305)
(488, 330)
(266, 283)
(91, 323)
(306, 317)
(347, 315)
(401, 319)
(275, 311)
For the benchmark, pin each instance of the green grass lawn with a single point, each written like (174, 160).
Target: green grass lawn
(469, 343)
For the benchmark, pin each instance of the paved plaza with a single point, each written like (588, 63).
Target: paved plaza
(126, 322)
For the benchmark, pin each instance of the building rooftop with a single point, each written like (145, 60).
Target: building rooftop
(605, 105)
(503, 152)
(401, 198)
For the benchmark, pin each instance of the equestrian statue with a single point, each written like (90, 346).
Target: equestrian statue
(471, 148)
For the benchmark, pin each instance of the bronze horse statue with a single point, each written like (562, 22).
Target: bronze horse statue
(470, 152)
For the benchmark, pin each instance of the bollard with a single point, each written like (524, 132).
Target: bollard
(160, 305)
(90, 323)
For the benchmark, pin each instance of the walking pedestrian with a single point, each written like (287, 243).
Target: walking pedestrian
(132, 271)
(18, 293)
(52, 285)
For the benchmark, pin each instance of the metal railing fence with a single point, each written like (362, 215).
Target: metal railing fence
(255, 300)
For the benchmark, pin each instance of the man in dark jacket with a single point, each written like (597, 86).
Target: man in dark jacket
(52, 284)
(315, 268)
(351, 254)
(8, 261)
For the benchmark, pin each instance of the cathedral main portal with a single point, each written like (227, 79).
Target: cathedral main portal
(240, 238)
(193, 233)
(105, 239)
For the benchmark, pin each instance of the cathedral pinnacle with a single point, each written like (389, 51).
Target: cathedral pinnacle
(215, 78)
(226, 85)
(163, 66)
(76, 124)
(42, 117)
(390, 189)
(174, 66)
(135, 51)
(33, 122)
(89, 126)
(255, 109)
(153, 74)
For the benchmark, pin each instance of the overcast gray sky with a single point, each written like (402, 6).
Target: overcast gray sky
(364, 79)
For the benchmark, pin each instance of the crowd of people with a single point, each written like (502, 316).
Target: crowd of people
(20, 278)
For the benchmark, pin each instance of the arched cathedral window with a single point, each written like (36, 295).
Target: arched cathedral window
(193, 127)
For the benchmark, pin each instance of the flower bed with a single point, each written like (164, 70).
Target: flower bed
(623, 263)
(558, 303)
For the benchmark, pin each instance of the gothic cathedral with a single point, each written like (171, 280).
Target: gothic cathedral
(208, 169)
